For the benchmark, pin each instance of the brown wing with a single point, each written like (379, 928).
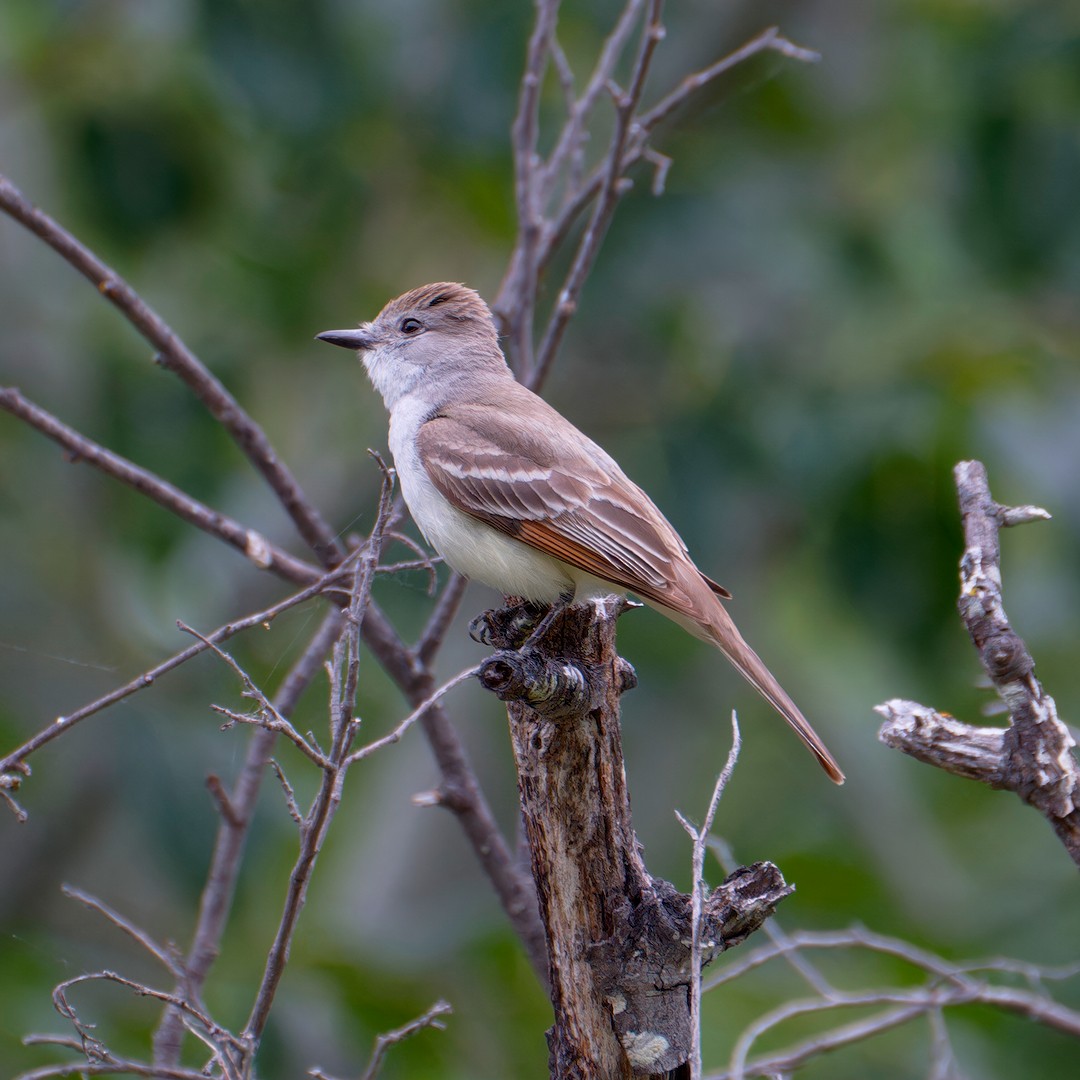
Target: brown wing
(547, 485)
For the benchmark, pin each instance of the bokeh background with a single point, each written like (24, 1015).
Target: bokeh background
(861, 272)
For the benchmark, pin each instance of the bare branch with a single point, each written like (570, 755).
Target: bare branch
(223, 1044)
(524, 135)
(569, 143)
(587, 190)
(425, 560)
(15, 762)
(610, 192)
(290, 795)
(769, 39)
(254, 546)
(221, 800)
(773, 930)
(459, 791)
(216, 900)
(174, 355)
(266, 716)
(115, 1067)
(439, 623)
(1033, 757)
(700, 839)
(431, 1019)
(947, 984)
(317, 821)
(395, 735)
(159, 952)
(8, 783)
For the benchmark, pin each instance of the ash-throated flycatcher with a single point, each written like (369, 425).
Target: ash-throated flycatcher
(510, 493)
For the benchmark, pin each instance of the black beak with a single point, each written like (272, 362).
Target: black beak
(347, 339)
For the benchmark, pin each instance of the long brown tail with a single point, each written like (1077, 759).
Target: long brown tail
(722, 632)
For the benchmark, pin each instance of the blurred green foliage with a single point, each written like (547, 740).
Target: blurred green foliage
(861, 271)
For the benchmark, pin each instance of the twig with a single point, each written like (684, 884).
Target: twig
(769, 39)
(395, 735)
(587, 190)
(174, 355)
(216, 900)
(254, 546)
(459, 790)
(948, 985)
(773, 929)
(700, 839)
(782, 1063)
(159, 952)
(607, 199)
(316, 822)
(524, 135)
(222, 1043)
(267, 716)
(568, 144)
(941, 1051)
(424, 559)
(115, 1067)
(516, 299)
(221, 799)
(17, 758)
(290, 795)
(1033, 757)
(439, 622)
(431, 1019)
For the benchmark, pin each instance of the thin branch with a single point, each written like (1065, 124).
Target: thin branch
(253, 545)
(767, 40)
(525, 133)
(431, 1019)
(459, 790)
(271, 721)
(16, 760)
(222, 1042)
(425, 560)
(569, 142)
(395, 735)
(948, 985)
(700, 839)
(221, 799)
(217, 896)
(574, 206)
(174, 355)
(363, 580)
(324, 806)
(773, 929)
(438, 624)
(565, 166)
(941, 1051)
(287, 789)
(115, 1067)
(137, 934)
(782, 1063)
(266, 716)
(611, 190)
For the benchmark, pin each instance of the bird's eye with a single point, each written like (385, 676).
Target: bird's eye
(411, 326)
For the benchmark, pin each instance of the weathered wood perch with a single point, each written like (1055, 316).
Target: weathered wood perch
(618, 939)
(1033, 755)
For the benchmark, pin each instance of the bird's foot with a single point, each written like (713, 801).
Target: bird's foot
(518, 625)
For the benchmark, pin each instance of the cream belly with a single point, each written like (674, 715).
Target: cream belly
(473, 548)
(483, 554)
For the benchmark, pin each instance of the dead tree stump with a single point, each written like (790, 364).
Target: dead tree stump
(618, 939)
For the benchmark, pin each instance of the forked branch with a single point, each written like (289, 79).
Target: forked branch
(1033, 757)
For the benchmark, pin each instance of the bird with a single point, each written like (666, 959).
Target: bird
(512, 494)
